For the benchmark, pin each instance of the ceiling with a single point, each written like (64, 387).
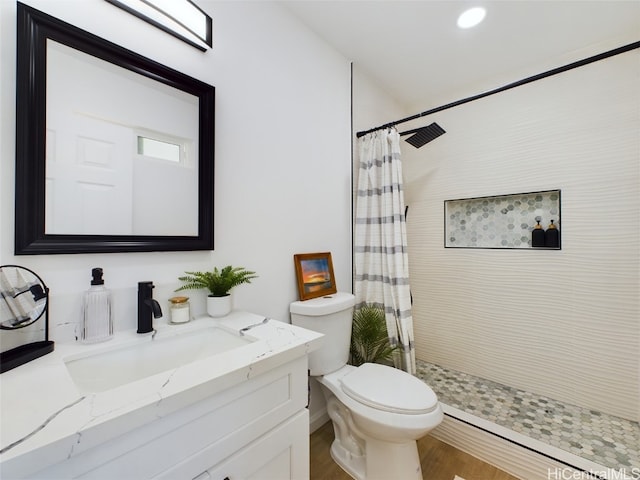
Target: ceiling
(416, 53)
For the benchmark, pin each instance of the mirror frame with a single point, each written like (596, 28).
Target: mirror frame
(34, 29)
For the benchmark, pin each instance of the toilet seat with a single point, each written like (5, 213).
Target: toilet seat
(388, 389)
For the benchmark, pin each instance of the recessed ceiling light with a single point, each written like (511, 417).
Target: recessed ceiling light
(472, 17)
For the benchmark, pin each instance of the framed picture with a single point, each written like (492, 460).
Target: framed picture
(315, 275)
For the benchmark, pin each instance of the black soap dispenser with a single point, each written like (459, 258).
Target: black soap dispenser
(552, 237)
(537, 234)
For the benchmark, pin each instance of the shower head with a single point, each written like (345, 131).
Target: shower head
(424, 135)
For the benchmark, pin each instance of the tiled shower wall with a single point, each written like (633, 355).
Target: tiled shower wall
(560, 323)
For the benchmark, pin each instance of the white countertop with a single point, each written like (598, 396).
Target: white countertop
(46, 419)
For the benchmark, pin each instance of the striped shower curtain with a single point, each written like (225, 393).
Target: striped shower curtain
(380, 243)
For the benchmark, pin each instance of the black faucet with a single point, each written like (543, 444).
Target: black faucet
(146, 307)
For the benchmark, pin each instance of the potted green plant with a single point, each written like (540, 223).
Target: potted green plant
(219, 282)
(369, 337)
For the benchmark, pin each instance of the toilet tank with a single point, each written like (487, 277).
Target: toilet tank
(331, 315)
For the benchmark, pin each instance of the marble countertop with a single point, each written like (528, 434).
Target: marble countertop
(46, 418)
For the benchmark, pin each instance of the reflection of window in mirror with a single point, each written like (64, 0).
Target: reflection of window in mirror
(164, 147)
(151, 147)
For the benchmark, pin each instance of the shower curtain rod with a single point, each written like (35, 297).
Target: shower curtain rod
(548, 73)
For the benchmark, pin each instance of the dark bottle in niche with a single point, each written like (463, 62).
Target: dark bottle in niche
(537, 235)
(552, 237)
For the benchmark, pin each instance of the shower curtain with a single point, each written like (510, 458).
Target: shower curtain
(380, 243)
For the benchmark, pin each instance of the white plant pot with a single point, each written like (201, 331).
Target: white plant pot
(219, 306)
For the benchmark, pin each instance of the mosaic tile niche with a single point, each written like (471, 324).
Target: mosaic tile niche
(504, 221)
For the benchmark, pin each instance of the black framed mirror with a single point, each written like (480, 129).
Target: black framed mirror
(86, 107)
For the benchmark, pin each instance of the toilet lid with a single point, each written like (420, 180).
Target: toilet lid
(389, 389)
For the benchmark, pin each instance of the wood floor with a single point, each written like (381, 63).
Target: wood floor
(439, 461)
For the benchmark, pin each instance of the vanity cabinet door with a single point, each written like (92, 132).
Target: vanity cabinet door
(280, 454)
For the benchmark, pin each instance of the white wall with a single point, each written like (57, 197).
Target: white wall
(560, 323)
(283, 159)
(372, 106)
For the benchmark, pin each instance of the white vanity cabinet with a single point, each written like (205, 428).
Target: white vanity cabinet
(258, 428)
(279, 454)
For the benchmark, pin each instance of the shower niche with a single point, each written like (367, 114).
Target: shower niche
(503, 221)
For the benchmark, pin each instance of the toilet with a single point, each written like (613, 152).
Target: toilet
(378, 412)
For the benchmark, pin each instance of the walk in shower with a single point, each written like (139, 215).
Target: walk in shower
(539, 341)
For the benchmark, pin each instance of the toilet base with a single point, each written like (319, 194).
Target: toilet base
(382, 461)
(354, 465)
(387, 460)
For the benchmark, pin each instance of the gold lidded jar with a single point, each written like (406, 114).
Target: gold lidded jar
(180, 310)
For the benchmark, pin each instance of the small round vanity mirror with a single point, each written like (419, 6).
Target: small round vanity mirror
(23, 297)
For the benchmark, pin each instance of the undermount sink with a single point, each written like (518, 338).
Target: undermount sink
(123, 364)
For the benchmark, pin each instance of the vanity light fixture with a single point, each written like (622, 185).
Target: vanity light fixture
(181, 18)
(471, 17)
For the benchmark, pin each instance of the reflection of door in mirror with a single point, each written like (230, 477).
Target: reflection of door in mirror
(89, 176)
(97, 181)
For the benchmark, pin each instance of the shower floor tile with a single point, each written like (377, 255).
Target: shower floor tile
(604, 439)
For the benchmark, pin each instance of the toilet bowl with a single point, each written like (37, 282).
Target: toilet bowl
(378, 412)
